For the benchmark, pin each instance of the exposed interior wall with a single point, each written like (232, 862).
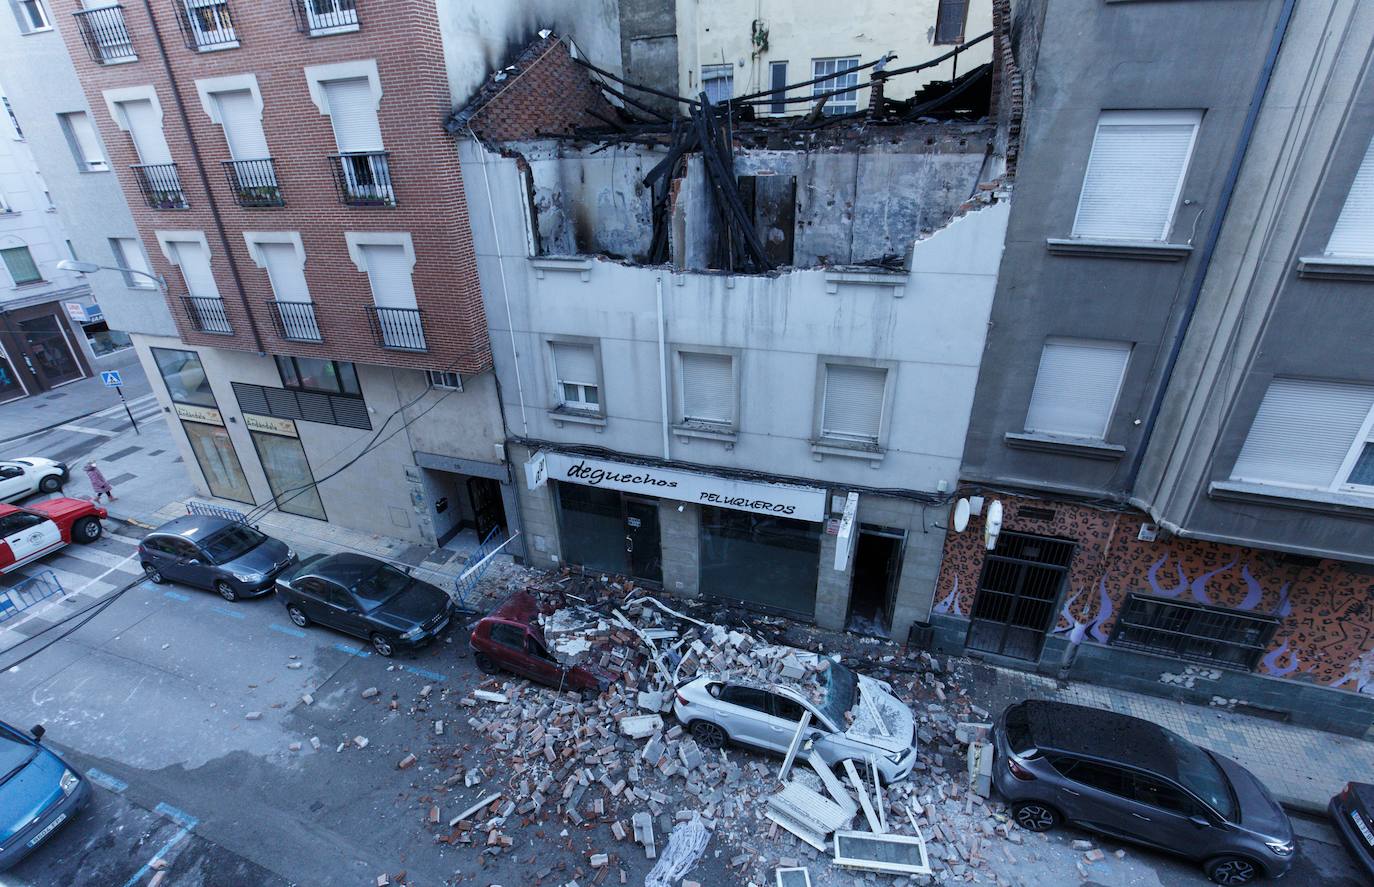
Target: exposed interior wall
(649, 46)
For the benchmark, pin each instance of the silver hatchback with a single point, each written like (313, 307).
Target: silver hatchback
(1134, 780)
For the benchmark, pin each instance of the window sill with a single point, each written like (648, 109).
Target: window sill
(1118, 249)
(1336, 268)
(44, 30)
(1066, 446)
(542, 264)
(94, 170)
(1354, 504)
(722, 433)
(895, 280)
(871, 453)
(336, 29)
(218, 47)
(559, 415)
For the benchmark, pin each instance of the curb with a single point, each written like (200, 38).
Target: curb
(1301, 806)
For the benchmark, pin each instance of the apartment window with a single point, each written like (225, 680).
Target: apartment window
(445, 379)
(128, 253)
(207, 25)
(840, 73)
(19, 262)
(950, 20)
(1314, 435)
(1135, 174)
(320, 17)
(389, 262)
(285, 270)
(80, 133)
(362, 167)
(718, 81)
(324, 376)
(156, 173)
(1076, 387)
(1354, 232)
(31, 15)
(707, 385)
(1193, 632)
(777, 81)
(575, 373)
(852, 404)
(204, 307)
(105, 32)
(14, 121)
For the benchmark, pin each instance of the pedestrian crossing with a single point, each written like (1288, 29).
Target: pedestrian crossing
(85, 573)
(114, 420)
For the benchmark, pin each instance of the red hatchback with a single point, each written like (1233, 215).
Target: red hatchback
(36, 530)
(508, 638)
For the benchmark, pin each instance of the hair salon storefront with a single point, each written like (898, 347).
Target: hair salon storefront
(746, 541)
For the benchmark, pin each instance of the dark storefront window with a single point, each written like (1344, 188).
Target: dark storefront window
(769, 562)
(49, 349)
(10, 387)
(1193, 632)
(288, 474)
(324, 376)
(184, 377)
(186, 383)
(608, 531)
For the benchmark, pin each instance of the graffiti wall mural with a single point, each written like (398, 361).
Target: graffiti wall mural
(1326, 609)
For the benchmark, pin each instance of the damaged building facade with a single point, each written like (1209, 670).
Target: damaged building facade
(736, 357)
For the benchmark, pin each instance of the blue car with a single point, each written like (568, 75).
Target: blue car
(38, 793)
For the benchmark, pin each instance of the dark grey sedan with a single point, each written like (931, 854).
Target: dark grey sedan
(229, 558)
(1134, 780)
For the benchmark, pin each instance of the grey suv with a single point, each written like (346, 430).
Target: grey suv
(1134, 780)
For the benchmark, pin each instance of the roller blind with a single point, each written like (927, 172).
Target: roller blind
(194, 262)
(129, 254)
(574, 363)
(1076, 387)
(285, 271)
(83, 134)
(1303, 432)
(388, 270)
(708, 387)
(1134, 174)
(145, 127)
(853, 407)
(353, 111)
(242, 123)
(1354, 231)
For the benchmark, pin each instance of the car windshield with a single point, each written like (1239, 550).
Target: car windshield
(14, 755)
(1202, 775)
(841, 689)
(380, 586)
(232, 542)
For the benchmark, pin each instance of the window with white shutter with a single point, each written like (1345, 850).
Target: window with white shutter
(128, 253)
(31, 15)
(852, 407)
(1354, 231)
(1135, 174)
(1311, 434)
(194, 261)
(574, 367)
(285, 271)
(708, 387)
(76, 125)
(1076, 387)
(389, 272)
(353, 113)
(145, 128)
(238, 114)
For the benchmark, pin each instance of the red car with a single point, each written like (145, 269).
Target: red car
(508, 638)
(28, 533)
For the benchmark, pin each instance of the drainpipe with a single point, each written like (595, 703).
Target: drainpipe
(204, 177)
(1228, 191)
(662, 369)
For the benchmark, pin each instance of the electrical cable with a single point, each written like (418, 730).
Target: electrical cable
(89, 613)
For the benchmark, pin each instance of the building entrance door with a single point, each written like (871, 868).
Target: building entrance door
(1017, 593)
(643, 548)
(610, 531)
(487, 511)
(873, 590)
(48, 351)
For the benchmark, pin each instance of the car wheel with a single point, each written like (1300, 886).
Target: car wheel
(709, 735)
(1231, 870)
(153, 574)
(86, 530)
(1034, 816)
(298, 618)
(50, 484)
(485, 664)
(226, 591)
(382, 646)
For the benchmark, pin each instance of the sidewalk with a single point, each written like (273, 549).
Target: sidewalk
(73, 401)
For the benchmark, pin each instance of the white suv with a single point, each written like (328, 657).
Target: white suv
(23, 477)
(852, 717)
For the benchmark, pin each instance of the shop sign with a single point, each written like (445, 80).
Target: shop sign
(76, 311)
(207, 415)
(536, 471)
(269, 425)
(849, 532)
(780, 500)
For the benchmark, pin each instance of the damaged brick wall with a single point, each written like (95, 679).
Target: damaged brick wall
(543, 92)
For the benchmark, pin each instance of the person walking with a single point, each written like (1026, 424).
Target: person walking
(99, 483)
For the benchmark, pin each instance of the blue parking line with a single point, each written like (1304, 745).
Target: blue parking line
(351, 651)
(180, 817)
(176, 595)
(106, 781)
(223, 611)
(425, 673)
(286, 629)
(185, 821)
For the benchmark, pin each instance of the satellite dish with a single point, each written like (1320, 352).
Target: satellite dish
(993, 526)
(961, 513)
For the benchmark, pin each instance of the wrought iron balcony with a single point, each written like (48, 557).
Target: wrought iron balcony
(105, 34)
(363, 178)
(399, 329)
(160, 184)
(318, 18)
(206, 24)
(296, 320)
(207, 315)
(254, 182)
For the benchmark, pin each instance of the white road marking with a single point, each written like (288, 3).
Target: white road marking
(83, 429)
(40, 609)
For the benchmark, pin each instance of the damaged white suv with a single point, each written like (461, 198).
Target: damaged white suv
(852, 717)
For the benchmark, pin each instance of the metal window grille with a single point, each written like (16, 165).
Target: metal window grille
(206, 24)
(105, 34)
(1193, 632)
(398, 329)
(320, 17)
(254, 182)
(161, 185)
(1017, 593)
(296, 320)
(207, 315)
(363, 178)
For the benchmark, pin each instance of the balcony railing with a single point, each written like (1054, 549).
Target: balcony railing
(160, 184)
(399, 329)
(254, 182)
(363, 178)
(296, 320)
(207, 314)
(105, 34)
(320, 17)
(206, 24)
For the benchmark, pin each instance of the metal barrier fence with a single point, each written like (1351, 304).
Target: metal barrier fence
(208, 510)
(38, 587)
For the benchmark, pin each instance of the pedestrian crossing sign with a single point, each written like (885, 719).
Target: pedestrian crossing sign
(111, 378)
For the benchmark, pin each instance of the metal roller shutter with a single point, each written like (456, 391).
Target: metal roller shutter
(708, 387)
(389, 269)
(1354, 231)
(238, 113)
(353, 111)
(194, 262)
(1303, 432)
(145, 127)
(574, 363)
(285, 271)
(853, 408)
(1076, 387)
(1134, 174)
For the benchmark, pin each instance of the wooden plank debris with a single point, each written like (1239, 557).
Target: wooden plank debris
(857, 781)
(795, 745)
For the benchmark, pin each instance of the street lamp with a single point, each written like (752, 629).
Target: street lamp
(92, 267)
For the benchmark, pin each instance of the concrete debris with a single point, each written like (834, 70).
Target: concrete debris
(307, 699)
(406, 762)
(1082, 846)
(643, 825)
(253, 716)
(370, 692)
(641, 726)
(360, 741)
(486, 696)
(295, 746)
(438, 728)
(1094, 856)
(315, 743)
